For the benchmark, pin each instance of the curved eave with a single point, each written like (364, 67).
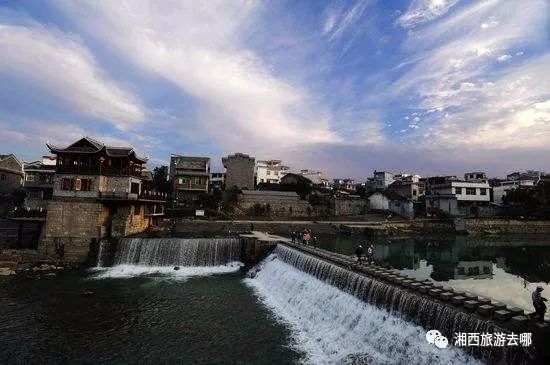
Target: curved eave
(59, 150)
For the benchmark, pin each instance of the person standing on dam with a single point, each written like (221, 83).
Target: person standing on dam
(538, 303)
(370, 254)
(359, 252)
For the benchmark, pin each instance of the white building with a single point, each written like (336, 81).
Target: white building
(458, 197)
(270, 171)
(505, 186)
(390, 201)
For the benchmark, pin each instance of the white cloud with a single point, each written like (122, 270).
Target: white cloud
(421, 11)
(504, 58)
(482, 106)
(197, 48)
(338, 21)
(60, 65)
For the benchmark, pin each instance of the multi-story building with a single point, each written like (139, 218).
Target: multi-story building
(217, 181)
(409, 186)
(239, 171)
(97, 193)
(190, 177)
(270, 171)
(381, 180)
(11, 173)
(457, 197)
(477, 176)
(525, 175)
(38, 182)
(503, 187)
(345, 184)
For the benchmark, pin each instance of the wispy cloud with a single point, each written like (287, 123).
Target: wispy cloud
(60, 65)
(198, 50)
(478, 104)
(421, 11)
(338, 19)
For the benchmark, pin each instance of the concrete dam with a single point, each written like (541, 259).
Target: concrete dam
(341, 311)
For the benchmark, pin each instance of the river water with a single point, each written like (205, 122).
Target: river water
(504, 268)
(141, 310)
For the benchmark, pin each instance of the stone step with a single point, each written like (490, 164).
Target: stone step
(515, 311)
(471, 304)
(498, 305)
(519, 320)
(446, 295)
(503, 315)
(483, 300)
(486, 309)
(458, 299)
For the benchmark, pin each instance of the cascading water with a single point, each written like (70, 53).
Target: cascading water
(341, 316)
(174, 256)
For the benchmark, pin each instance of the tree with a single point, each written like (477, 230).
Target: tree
(521, 201)
(160, 182)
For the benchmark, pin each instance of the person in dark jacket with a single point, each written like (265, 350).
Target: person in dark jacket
(538, 303)
(359, 252)
(293, 236)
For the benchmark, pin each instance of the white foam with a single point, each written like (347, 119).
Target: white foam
(184, 272)
(331, 326)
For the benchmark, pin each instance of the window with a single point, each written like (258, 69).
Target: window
(134, 188)
(458, 191)
(31, 177)
(67, 184)
(2, 177)
(483, 191)
(83, 184)
(198, 181)
(180, 181)
(470, 191)
(268, 173)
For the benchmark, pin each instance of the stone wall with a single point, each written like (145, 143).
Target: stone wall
(70, 228)
(129, 220)
(506, 226)
(283, 209)
(9, 181)
(348, 206)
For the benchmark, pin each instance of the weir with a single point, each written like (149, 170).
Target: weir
(422, 302)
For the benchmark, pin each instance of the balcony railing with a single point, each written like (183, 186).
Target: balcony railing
(95, 170)
(146, 195)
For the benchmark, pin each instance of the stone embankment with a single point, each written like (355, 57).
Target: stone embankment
(28, 263)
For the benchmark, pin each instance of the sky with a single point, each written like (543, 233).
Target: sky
(345, 87)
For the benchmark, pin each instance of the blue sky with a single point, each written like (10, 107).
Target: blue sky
(425, 86)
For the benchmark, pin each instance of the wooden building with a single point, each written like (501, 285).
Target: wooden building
(97, 193)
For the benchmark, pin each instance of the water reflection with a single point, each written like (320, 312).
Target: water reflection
(503, 268)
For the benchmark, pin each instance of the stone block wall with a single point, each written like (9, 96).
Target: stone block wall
(130, 219)
(10, 181)
(284, 209)
(70, 228)
(344, 207)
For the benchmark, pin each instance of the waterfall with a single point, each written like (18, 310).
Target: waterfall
(178, 251)
(341, 316)
(177, 257)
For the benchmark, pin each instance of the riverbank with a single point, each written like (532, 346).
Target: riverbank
(373, 227)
